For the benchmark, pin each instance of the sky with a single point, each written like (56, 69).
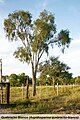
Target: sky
(67, 16)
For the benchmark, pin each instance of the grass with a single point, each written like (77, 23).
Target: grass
(47, 101)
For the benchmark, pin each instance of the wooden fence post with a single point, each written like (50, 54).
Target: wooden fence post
(1, 94)
(22, 91)
(8, 92)
(57, 89)
(46, 89)
(27, 89)
(40, 91)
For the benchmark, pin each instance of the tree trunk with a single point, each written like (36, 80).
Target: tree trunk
(34, 70)
(34, 84)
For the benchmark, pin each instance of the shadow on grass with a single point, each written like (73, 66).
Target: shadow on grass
(55, 104)
(14, 105)
(4, 106)
(39, 104)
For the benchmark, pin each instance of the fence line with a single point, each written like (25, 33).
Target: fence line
(44, 90)
(19, 93)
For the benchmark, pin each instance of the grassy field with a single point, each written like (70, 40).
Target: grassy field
(61, 100)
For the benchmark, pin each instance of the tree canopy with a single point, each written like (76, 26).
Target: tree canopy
(18, 80)
(53, 70)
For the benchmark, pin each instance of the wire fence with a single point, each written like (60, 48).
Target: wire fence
(4, 92)
(18, 94)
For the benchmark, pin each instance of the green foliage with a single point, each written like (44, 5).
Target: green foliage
(18, 80)
(43, 28)
(22, 79)
(36, 36)
(53, 69)
(77, 80)
(64, 39)
(13, 79)
(17, 25)
(22, 55)
(4, 77)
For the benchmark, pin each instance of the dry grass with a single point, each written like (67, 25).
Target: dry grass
(47, 100)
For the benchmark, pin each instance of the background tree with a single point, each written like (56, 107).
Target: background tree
(36, 37)
(22, 79)
(77, 80)
(53, 71)
(13, 79)
(18, 80)
(4, 78)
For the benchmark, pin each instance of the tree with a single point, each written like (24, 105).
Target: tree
(77, 80)
(22, 79)
(13, 79)
(36, 37)
(4, 78)
(53, 70)
(18, 80)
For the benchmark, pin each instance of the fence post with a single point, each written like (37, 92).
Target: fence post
(73, 87)
(40, 91)
(57, 89)
(46, 90)
(1, 94)
(53, 83)
(22, 91)
(27, 85)
(8, 92)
